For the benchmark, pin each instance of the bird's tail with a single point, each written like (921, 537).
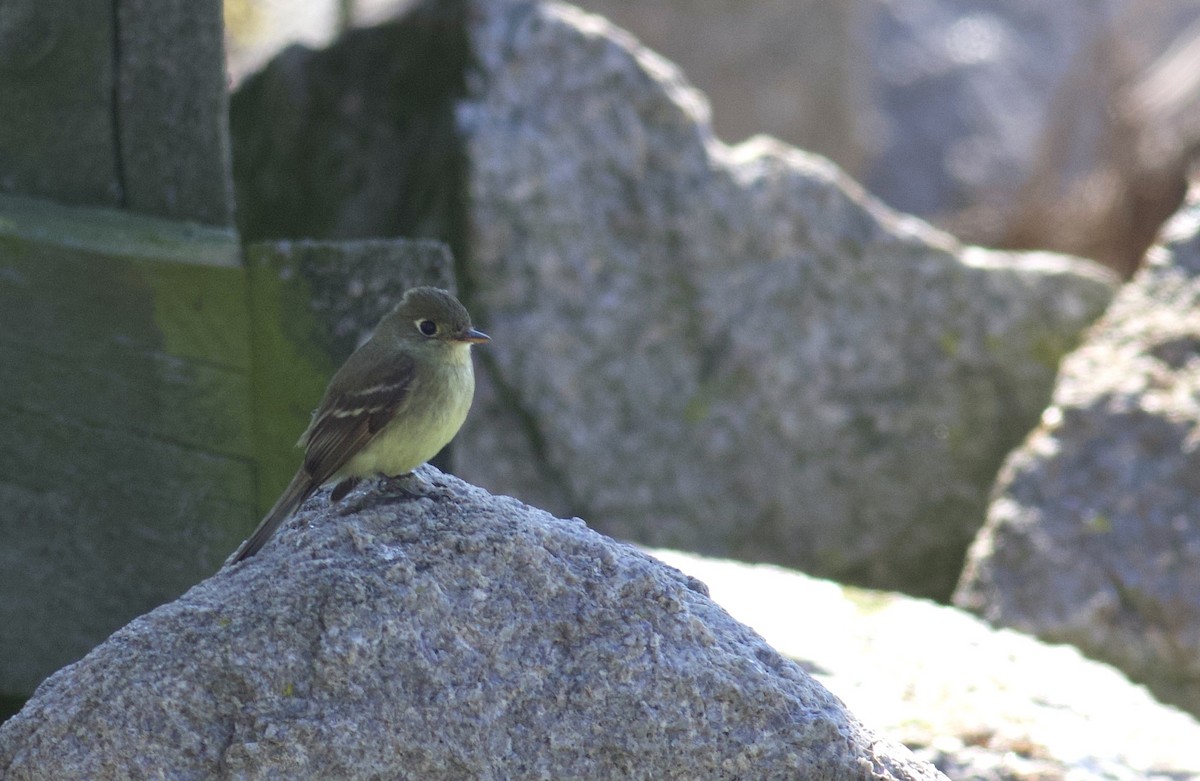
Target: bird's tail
(293, 496)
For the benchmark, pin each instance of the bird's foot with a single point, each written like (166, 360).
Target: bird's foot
(408, 485)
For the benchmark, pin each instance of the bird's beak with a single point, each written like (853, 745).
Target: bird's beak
(474, 336)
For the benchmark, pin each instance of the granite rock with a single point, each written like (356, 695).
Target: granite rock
(733, 350)
(792, 69)
(988, 73)
(355, 141)
(1093, 537)
(981, 703)
(423, 628)
(728, 349)
(1065, 126)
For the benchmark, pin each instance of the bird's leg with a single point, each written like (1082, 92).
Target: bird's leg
(407, 484)
(344, 487)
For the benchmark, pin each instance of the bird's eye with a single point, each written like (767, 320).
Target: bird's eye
(427, 327)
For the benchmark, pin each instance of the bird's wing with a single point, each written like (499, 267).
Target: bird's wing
(348, 418)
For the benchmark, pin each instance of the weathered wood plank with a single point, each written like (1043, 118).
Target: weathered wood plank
(174, 110)
(126, 446)
(121, 471)
(77, 295)
(57, 130)
(153, 394)
(99, 526)
(120, 233)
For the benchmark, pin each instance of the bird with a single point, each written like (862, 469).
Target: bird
(396, 401)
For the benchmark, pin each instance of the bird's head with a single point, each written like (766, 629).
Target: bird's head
(431, 316)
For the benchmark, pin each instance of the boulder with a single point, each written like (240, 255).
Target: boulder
(1063, 126)
(981, 703)
(355, 141)
(734, 350)
(423, 628)
(1093, 537)
(731, 350)
(793, 69)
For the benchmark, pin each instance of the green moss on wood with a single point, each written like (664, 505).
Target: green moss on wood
(291, 369)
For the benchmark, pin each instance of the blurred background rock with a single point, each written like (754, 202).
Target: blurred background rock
(1015, 124)
(1068, 126)
(733, 350)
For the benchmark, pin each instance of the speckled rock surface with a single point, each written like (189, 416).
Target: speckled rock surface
(983, 704)
(1060, 125)
(425, 629)
(731, 350)
(1063, 126)
(1094, 534)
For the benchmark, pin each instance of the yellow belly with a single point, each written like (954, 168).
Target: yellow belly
(428, 420)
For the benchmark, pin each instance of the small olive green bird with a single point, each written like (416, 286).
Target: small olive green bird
(396, 401)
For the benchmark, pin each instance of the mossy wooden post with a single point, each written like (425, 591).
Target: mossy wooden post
(126, 451)
(154, 383)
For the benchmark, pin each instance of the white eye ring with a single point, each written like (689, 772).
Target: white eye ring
(426, 326)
